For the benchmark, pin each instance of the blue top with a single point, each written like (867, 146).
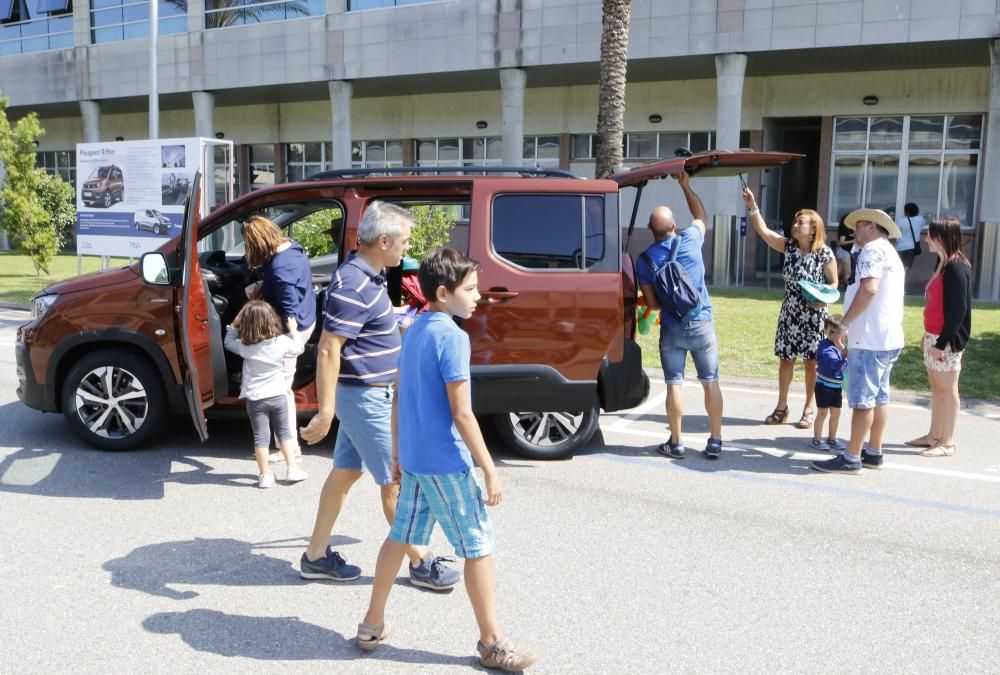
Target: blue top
(689, 256)
(358, 308)
(288, 286)
(830, 364)
(435, 351)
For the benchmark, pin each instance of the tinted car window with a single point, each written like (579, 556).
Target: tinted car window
(549, 231)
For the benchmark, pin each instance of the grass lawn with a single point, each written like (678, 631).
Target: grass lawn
(745, 320)
(18, 281)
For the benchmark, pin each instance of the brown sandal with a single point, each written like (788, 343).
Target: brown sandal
(807, 420)
(924, 441)
(779, 416)
(939, 450)
(370, 637)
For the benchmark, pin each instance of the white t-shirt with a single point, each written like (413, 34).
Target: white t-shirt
(880, 327)
(906, 241)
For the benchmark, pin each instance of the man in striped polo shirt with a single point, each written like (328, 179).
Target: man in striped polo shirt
(355, 372)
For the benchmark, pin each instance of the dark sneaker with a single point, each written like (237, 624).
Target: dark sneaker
(504, 655)
(820, 444)
(331, 566)
(675, 450)
(839, 464)
(836, 445)
(432, 573)
(872, 460)
(714, 448)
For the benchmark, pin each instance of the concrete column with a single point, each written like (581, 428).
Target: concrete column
(81, 24)
(512, 95)
(90, 111)
(196, 16)
(204, 113)
(989, 206)
(726, 202)
(341, 94)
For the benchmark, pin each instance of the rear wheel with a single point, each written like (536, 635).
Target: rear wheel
(114, 400)
(546, 435)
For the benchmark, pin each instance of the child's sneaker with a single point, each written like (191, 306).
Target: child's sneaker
(820, 444)
(295, 475)
(265, 481)
(433, 574)
(836, 445)
(331, 566)
(504, 655)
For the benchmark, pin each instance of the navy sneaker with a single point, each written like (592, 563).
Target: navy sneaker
(331, 566)
(432, 573)
(839, 464)
(675, 450)
(714, 448)
(872, 460)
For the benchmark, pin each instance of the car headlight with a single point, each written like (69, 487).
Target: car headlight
(40, 305)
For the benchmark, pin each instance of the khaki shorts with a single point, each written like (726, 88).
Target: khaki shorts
(949, 361)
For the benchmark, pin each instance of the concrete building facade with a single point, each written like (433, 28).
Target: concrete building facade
(892, 101)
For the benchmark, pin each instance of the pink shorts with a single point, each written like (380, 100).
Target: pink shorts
(948, 362)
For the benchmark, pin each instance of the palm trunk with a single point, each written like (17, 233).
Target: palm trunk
(611, 103)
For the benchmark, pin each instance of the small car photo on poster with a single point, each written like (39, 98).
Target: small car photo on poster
(174, 188)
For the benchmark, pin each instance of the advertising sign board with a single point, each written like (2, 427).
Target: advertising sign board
(130, 196)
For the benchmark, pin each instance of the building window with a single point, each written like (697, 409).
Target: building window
(573, 227)
(49, 25)
(261, 165)
(376, 154)
(886, 162)
(112, 20)
(649, 146)
(226, 13)
(541, 150)
(353, 5)
(486, 151)
(60, 163)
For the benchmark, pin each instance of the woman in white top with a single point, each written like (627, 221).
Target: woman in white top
(909, 226)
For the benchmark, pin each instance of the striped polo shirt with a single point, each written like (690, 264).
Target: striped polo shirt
(358, 308)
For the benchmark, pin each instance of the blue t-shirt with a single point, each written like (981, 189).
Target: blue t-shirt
(288, 286)
(689, 256)
(830, 364)
(435, 351)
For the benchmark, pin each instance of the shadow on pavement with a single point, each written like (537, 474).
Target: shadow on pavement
(155, 568)
(278, 638)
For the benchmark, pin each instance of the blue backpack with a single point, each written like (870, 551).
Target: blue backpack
(677, 295)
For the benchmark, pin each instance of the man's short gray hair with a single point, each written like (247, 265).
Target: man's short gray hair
(382, 218)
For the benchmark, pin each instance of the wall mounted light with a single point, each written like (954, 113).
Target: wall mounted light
(871, 99)
(481, 124)
(655, 119)
(219, 135)
(119, 138)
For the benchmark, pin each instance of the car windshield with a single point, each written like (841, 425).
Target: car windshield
(100, 172)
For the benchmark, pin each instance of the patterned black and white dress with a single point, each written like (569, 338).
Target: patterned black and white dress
(800, 326)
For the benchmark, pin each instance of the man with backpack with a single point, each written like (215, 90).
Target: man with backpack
(671, 274)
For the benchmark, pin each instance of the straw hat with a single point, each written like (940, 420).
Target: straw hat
(877, 216)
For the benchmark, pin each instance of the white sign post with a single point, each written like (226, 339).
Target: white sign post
(130, 194)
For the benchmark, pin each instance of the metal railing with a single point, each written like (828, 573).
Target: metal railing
(36, 35)
(132, 22)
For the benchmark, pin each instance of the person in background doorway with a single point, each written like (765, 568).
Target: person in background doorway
(845, 243)
(910, 225)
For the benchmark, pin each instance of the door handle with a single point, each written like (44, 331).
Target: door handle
(496, 295)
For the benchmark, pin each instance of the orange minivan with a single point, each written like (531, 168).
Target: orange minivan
(552, 344)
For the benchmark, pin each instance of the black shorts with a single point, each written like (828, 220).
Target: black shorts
(828, 397)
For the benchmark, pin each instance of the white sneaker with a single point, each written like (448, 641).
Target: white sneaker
(265, 481)
(295, 474)
(276, 457)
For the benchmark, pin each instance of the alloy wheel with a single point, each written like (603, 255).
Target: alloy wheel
(546, 429)
(111, 402)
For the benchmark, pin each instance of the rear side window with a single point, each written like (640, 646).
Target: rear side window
(542, 231)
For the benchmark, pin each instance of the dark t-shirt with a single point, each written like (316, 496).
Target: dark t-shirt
(843, 232)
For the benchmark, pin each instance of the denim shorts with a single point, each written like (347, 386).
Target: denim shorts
(868, 373)
(698, 338)
(454, 500)
(364, 439)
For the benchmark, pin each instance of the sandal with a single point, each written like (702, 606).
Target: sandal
(505, 655)
(924, 441)
(807, 420)
(779, 416)
(939, 450)
(369, 637)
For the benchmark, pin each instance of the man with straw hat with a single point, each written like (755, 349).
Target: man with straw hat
(874, 322)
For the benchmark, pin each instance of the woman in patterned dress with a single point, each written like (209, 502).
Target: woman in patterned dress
(800, 322)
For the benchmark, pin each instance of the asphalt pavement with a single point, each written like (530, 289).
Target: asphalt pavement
(170, 560)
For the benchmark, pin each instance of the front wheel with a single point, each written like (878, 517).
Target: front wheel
(114, 400)
(107, 199)
(546, 435)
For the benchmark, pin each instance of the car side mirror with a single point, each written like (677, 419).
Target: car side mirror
(154, 269)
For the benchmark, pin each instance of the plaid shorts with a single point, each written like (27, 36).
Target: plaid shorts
(454, 500)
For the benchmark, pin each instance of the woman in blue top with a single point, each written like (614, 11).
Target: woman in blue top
(286, 284)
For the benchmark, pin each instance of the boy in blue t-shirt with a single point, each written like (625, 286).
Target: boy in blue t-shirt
(435, 438)
(830, 365)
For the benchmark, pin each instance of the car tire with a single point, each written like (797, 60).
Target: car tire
(107, 200)
(128, 425)
(159, 229)
(546, 435)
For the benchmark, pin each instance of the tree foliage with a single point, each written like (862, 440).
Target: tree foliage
(431, 229)
(611, 88)
(319, 232)
(37, 207)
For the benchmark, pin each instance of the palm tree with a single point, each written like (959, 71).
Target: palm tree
(611, 89)
(237, 12)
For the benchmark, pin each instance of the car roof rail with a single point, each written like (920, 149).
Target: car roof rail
(523, 171)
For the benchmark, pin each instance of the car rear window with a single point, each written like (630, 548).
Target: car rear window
(544, 231)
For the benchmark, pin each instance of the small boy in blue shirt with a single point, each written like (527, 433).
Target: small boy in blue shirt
(435, 438)
(830, 365)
